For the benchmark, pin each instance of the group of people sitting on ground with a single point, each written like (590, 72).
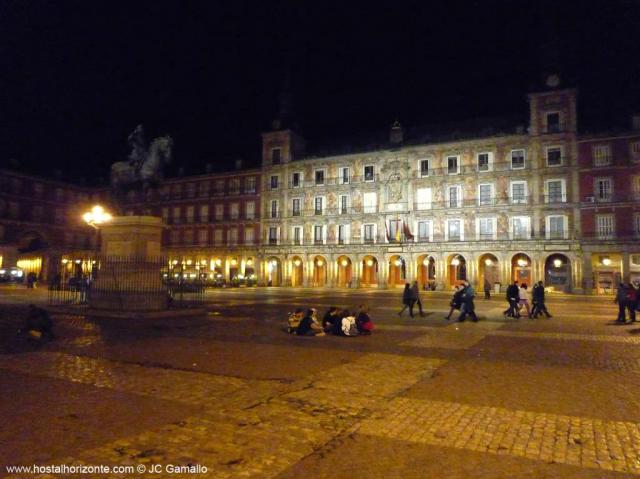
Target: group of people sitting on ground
(518, 298)
(627, 299)
(336, 321)
(463, 300)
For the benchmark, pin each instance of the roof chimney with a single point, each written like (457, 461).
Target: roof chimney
(239, 164)
(635, 121)
(395, 135)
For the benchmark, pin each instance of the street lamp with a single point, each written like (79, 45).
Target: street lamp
(95, 218)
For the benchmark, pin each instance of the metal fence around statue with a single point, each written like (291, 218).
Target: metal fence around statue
(127, 283)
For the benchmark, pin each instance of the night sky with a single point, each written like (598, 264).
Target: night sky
(78, 76)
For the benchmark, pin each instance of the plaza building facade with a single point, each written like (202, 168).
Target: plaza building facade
(212, 224)
(610, 207)
(501, 207)
(41, 224)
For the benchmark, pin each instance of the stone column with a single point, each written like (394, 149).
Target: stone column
(587, 273)
(307, 272)
(624, 267)
(356, 271)
(472, 271)
(286, 272)
(441, 272)
(410, 265)
(383, 273)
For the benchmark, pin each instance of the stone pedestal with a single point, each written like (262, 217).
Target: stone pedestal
(129, 279)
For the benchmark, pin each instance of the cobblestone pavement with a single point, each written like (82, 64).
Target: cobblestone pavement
(420, 397)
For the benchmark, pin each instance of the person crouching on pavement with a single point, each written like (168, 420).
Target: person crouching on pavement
(363, 320)
(309, 325)
(331, 317)
(38, 323)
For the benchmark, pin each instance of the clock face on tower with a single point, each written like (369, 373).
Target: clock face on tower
(553, 81)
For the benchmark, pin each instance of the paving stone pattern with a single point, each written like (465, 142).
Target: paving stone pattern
(585, 442)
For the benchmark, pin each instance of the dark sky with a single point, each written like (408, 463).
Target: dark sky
(78, 76)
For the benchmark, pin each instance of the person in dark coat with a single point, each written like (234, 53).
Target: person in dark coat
(415, 296)
(468, 307)
(621, 299)
(487, 289)
(407, 300)
(538, 301)
(456, 301)
(309, 326)
(631, 302)
(38, 319)
(513, 297)
(331, 317)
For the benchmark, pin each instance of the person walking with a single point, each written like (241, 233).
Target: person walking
(487, 289)
(631, 302)
(468, 293)
(538, 301)
(415, 295)
(406, 300)
(456, 301)
(524, 299)
(513, 297)
(621, 300)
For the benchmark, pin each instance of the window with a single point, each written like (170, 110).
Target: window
(485, 161)
(603, 189)
(187, 238)
(232, 236)
(554, 156)
(318, 203)
(295, 207)
(250, 184)
(296, 180)
(553, 122)
(486, 228)
(174, 237)
(636, 231)
(368, 173)
(318, 234)
(601, 155)
(191, 190)
(274, 182)
(454, 230)
(249, 235)
(219, 187)
(635, 187)
(395, 230)
(343, 234)
(424, 168)
(605, 226)
(250, 210)
(344, 204)
(217, 238)
(635, 151)
(176, 214)
(369, 233)
(234, 186)
(454, 197)
(453, 165)
(425, 232)
(203, 188)
(485, 194)
(423, 199)
(190, 213)
(274, 208)
(556, 227)
(319, 177)
(370, 201)
(518, 192)
(519, 227)
(275, 156)
(219, 212)
(234, 211)
(344, 178)
(273, 235)
(517, 159)
(556, 191)
(204, 213)
(297, 235)
(203, 236)
(165, 215)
